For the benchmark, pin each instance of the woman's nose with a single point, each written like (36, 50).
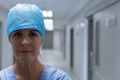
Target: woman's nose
(26, 41)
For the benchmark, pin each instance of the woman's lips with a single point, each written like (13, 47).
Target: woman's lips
(25, 52)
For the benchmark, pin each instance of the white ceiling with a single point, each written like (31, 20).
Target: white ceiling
(63, 10)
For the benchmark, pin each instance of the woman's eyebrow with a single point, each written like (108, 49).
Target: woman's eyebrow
(34, 31)
(16, 31)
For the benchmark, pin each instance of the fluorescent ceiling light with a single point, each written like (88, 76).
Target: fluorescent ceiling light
(50, 13)
(49, 27)
(50, 21)
(45, 14)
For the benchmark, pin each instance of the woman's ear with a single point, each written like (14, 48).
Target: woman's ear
(42, 41)
(9, 39)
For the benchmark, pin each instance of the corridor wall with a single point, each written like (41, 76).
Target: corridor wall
(109, 42)
(79, 48)
(6, 53)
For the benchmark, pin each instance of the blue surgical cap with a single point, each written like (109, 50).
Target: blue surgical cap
(25, 16)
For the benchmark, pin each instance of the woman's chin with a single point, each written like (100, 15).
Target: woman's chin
(25, 60)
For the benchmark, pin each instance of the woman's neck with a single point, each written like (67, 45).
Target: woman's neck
(28, 71)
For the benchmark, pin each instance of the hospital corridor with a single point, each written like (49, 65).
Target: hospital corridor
(82, 37)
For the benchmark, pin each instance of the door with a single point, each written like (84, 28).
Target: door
(90, 47)
(72, 47)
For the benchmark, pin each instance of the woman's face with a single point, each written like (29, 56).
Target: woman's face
(25, 44)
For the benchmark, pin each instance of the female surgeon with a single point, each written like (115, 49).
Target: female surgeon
(26, 33)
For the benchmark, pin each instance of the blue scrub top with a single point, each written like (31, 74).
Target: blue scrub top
(49, 73)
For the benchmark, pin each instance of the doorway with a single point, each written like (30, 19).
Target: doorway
(90, 47)
(72, 48)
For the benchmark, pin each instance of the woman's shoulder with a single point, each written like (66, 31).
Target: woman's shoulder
(53, 73)
(3, 71)
(6, 72)
(54, 70)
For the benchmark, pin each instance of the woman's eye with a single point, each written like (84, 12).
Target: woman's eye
(17, 34)
(33, 34)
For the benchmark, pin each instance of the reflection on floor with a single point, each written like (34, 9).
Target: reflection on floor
(56, 59)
